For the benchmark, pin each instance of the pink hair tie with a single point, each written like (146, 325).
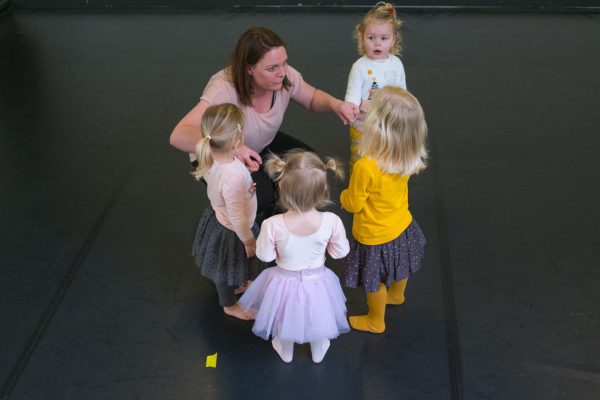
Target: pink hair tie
(390, 10)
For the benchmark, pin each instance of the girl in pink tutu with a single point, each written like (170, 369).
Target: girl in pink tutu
(300, 300)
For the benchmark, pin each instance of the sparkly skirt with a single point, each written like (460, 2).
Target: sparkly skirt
(300, 306)
(368, 266)
(220, 254)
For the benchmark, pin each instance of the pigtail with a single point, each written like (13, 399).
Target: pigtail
(335, 166)
(204, 157)
(275, 167)
(221, 126)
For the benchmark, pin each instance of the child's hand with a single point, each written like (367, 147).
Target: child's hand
(250, 247)
(252, 188)
(364, 106)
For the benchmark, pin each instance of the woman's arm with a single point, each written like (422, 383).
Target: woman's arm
(323, 101)
(317, 100)
(187, 132)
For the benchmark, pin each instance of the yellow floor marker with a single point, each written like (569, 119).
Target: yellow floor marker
(211, 361)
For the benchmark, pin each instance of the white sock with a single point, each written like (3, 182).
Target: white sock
(284, 348)
(319, 349)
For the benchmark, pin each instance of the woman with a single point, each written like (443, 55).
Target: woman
(258, 79)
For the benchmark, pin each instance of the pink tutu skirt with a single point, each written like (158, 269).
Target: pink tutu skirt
(300, 306)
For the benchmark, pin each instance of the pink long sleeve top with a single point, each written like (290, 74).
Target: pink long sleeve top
(229, 188)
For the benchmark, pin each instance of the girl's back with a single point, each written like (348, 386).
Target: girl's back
(295, 252)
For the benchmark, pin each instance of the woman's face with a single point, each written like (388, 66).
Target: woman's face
(268, 73)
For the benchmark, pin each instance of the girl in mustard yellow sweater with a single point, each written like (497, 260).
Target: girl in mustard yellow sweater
(387, 244)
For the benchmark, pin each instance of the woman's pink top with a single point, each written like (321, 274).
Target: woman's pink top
(259, 128)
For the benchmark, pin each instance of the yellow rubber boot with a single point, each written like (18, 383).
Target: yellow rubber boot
(395, 294)
(373, 322)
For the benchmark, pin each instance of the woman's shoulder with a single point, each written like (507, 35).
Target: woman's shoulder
(293, 74)
(220, 77)
(219, 89)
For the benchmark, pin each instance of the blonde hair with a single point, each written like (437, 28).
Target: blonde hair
(381, 12)
(221, 126)
(302, 177)
(395, 132)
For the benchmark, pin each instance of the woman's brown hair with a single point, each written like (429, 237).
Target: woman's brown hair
(250, 48)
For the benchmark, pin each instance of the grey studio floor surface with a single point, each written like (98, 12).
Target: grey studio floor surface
(100, 297)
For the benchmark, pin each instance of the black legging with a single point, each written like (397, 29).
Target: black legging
(266, 189)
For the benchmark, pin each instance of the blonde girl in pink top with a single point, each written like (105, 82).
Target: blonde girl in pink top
(224, 246)
(300, 300)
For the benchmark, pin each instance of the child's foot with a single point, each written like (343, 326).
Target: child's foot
(319, 349)
(394, 300)
(366, 324)
(283, 349)
(242, 288)
(395, 294)
(236, 311)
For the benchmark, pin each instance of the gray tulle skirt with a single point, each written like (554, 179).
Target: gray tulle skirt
(220, 254)
(368, 266)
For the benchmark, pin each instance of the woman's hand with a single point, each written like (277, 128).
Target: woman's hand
(347, 112)
(249, 157)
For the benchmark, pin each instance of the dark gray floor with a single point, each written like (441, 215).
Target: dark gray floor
(100, 299)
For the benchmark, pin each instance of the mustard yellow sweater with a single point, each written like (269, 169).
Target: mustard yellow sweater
(378, 201)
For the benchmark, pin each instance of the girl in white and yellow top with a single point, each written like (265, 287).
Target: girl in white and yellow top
(379, 44)
(388, 244)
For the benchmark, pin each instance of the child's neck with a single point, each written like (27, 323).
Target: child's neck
(223, 156)
(303, 224)
(380, 60)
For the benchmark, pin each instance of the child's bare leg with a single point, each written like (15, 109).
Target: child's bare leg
(243, 287)
(228, 301)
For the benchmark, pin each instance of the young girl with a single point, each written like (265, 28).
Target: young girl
(300, 300)
(388, 244)
(379, 42)
(224, 243)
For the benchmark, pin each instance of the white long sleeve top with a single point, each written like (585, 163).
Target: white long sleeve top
(293, 252)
